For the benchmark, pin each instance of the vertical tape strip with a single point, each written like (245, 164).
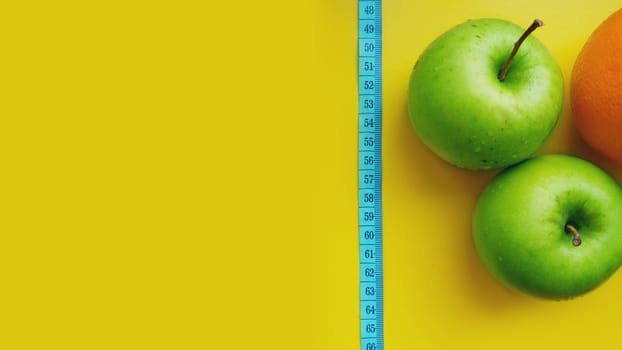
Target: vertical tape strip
(371, 286)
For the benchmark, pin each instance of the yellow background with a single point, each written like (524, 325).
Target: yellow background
(182, 175)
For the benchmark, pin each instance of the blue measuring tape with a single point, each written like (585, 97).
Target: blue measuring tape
(370, 174)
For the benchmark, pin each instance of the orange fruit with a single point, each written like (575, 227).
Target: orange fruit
(596, 89)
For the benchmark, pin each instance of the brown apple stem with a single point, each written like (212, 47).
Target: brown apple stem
(576, 237)
(536, 23)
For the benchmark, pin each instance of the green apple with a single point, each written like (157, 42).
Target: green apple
(483, 96)
(550, 226)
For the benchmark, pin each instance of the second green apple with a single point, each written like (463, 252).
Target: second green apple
(550, 226)
(470, 116)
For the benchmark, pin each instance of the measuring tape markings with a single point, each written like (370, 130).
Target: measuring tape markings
(370, 174)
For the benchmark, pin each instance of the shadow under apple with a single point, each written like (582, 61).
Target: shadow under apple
(427, 175)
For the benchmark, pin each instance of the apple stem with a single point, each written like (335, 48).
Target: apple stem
(576, 237)
(536, 23)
